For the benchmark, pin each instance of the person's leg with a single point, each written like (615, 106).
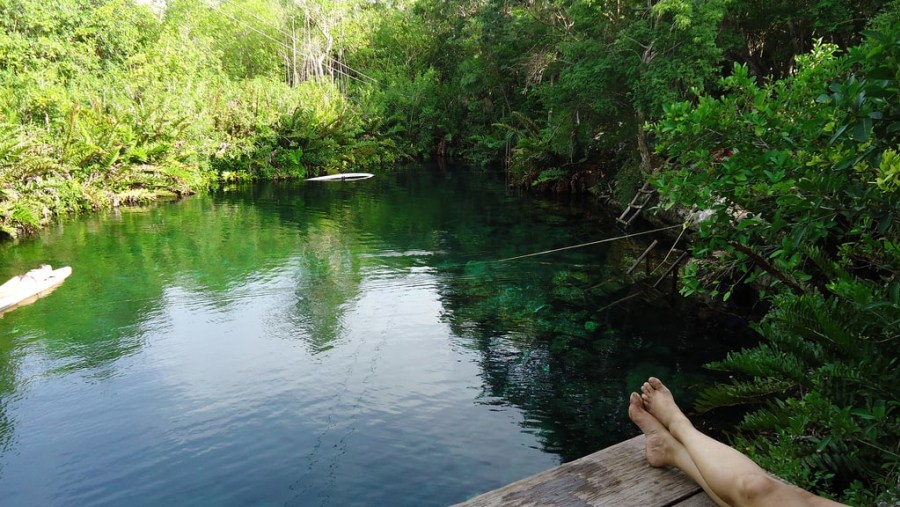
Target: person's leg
(733, 477)
(662, 449)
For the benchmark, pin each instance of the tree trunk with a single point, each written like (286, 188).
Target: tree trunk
(643, 147)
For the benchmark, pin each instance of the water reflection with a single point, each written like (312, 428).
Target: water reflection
(328, 282)
(335, 344)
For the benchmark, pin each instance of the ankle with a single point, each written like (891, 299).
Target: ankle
(680, 425)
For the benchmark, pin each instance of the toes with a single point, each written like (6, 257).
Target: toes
(631, 401)
(639, 415)
(635, 406)
(646, 388)
(655, 383)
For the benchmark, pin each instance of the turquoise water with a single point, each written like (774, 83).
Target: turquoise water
(326, 344)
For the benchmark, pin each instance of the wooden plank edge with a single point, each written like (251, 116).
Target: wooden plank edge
(617, 475)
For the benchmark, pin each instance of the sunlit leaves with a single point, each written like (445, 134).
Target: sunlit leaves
(795, 159)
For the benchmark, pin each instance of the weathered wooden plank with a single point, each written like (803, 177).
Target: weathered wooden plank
(699, 500)
(615, 476)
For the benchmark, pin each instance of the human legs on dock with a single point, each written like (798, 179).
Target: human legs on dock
(730, 478)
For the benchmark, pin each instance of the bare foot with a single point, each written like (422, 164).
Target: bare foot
(659, 402)
(660, 442)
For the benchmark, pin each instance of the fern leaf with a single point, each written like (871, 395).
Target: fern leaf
(741, 393)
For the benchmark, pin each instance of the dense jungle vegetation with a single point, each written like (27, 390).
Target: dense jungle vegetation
(779, 120)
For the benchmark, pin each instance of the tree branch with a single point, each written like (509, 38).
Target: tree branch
(768, 267)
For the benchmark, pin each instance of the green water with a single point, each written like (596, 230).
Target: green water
(327, 344)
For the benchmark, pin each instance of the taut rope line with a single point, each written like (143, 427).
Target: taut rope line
(607, 240)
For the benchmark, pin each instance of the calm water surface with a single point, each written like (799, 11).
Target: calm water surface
(325, 344)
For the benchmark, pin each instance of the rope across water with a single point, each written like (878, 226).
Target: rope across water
(607, 240)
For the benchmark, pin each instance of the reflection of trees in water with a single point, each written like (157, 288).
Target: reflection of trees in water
(547, 348)
(544, 347)
(123, 270)
(571, 409)
(328, 281)
(123, 267)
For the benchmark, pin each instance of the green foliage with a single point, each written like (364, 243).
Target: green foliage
(588, 74)
(96, 117)
(824, 383)
(408, 110)
(629, 180)
(767, 35)
(888, 177)
(107, 103)
(797, 174)
(316, 130)
(122, 99)
(549, 176)
(789, 166)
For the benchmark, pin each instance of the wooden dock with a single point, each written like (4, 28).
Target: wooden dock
(615, 476)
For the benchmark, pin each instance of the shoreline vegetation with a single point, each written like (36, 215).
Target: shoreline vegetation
(780, 120)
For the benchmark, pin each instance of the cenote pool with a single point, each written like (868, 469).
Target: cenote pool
(340, 344)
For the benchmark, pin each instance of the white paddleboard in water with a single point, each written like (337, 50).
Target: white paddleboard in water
(24, 289)
(343, 177)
